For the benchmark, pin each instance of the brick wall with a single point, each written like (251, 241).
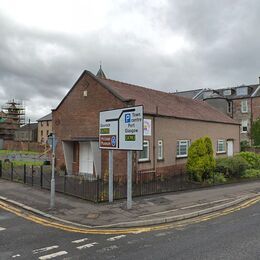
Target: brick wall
(78, 117)
(23, 146)
(239, 116)
(256, 108)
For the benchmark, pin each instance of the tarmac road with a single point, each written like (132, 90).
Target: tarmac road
(231, 236)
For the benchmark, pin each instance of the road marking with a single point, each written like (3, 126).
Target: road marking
(115, 238)
(132, 230)
(107, 249)
(79, 240)
(44, 249)
(53, 255)
(14, 256)
(87, 245)
(2, 228)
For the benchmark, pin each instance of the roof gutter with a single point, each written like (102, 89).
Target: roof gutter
(192, 119)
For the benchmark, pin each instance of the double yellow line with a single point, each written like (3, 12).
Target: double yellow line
(179, 224)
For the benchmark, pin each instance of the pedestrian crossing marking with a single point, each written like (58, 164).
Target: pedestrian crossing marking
(79, 240)
(60, 253)
(87, 245)
(2, 229)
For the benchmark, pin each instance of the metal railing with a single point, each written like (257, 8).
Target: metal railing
(96, 189)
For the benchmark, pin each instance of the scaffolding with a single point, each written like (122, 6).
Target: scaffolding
(11, 118)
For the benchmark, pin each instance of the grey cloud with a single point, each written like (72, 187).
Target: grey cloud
(41, 66)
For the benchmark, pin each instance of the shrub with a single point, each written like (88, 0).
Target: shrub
(251, 173)
(253, 159)
(232, 166)
(217, 178)
(201, 162)
(244, 144)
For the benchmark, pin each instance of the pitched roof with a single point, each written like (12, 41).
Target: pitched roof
(158, 102)
(27, 127)
(46, 118)
(167, 104)
(188, 93)
(253, 91)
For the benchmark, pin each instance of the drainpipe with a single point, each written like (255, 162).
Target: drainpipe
(251, 119)
(154, 155)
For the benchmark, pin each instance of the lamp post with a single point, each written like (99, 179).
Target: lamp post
(52, 142)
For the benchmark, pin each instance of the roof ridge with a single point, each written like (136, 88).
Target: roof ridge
(134, 85)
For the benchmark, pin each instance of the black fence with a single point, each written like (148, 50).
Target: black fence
(96, 189)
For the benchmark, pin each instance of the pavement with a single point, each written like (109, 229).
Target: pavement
(147, 210)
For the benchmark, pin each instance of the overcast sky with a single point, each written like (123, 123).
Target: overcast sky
(166, 45)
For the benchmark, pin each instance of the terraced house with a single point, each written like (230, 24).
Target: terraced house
(242, 103)
(171, 124)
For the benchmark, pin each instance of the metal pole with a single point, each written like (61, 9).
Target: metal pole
(52, 174)
(110, 173)
(129, 179)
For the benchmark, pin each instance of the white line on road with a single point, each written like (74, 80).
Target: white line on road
(14, 256)
(107, 249)
(53, 255)
(87, 245)
(44, 249)
(115, 238)
(2, 228)
(79, 240)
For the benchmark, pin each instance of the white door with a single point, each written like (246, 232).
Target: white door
(230, 150)
(85, 158)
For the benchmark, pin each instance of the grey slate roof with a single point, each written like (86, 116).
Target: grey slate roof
(46, 118)
(27, 127)
(253, 91)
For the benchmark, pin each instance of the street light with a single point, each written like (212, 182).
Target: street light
(52, 141)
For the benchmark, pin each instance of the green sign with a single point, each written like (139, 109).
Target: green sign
(130, 138)
(104, 131)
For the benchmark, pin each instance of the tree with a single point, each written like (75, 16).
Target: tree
(201, 162)
(255, 132)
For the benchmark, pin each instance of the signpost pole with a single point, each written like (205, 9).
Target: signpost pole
(52, 203)
(129, 179)
(110, 173)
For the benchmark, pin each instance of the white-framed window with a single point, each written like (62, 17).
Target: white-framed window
(144, 154)
(244, 106)
(182, 148)
(160, 150)
(221, 146)
(242, 91)
(244, 126)
(227, 92)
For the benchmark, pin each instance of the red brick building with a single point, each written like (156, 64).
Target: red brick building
(172, 123)
(242, 103)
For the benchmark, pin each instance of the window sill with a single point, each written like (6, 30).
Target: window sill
(144, 161)
(160, 160)
(221, 152)
(181, 156)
